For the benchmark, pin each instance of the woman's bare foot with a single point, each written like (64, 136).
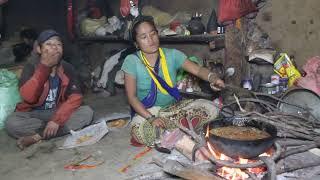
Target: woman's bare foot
(26, 141)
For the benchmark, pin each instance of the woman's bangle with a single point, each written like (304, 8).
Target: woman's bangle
(211, 77)
(151, 118)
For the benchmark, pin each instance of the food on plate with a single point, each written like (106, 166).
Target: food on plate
(117, 123)
(83, 138)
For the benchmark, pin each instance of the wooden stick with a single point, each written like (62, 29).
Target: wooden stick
(290, 167)
(278, 99)
(293, 142)
(187, 172)
(298, 150)
(238, 103)
(205, 165)
(194, 135)
(186, 145)
(251, 175)
(270, 106)
(151, 175)
(271, 165)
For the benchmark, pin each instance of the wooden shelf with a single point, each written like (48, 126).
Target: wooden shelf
(192, 38)
(173, 39)
(100, 38)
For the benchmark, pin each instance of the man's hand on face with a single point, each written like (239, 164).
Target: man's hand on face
(51, 51)
(50, 57)
(50, 130)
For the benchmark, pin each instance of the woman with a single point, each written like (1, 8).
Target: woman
(150, 79)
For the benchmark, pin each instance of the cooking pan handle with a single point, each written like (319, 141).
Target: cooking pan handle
(235, 120)
(227, 113)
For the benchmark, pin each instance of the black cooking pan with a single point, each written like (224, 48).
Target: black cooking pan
(242, 148)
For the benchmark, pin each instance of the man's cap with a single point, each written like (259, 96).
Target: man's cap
(47, 34)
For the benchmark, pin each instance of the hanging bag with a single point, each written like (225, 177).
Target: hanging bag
(229, 10)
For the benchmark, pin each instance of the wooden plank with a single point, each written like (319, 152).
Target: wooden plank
(188, 172)
(179, 38)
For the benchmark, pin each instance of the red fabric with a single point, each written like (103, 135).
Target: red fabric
(194, 122)
(95, 13)
(70, 19)
(134, 142)
(233, 9)
(3, 1)
(174, 24)
(125, 7)
(94, 10)
(31, 90)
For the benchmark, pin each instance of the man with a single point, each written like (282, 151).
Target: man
(51, 96)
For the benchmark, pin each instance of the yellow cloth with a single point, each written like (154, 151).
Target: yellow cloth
(164, 68)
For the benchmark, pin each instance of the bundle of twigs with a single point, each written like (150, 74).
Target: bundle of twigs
(288, 124)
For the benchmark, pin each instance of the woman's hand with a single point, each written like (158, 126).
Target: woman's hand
(158, 122)
(217, 85)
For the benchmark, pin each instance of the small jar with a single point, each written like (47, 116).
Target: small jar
(247, 84)
(283, 84)
(275, 79)
(268, 88)
(189, 85)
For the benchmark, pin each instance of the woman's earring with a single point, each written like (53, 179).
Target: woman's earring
(137, 47)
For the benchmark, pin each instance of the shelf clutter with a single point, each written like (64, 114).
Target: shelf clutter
(205, 38)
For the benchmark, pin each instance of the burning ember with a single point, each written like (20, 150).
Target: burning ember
(236, 173)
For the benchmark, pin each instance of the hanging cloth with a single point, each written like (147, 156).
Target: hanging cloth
(125, 7)
(71, 15)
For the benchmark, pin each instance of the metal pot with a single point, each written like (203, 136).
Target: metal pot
(242, 148)
(304, 98)
(195, 26)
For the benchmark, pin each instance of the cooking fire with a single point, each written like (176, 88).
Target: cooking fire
(237, 173)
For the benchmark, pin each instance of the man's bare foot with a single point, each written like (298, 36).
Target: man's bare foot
(26, 141)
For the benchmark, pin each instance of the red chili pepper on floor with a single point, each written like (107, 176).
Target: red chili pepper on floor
(134, 159)
(145, 151)
(77, 167)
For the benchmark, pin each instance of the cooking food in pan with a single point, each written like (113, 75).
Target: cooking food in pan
(240, 133)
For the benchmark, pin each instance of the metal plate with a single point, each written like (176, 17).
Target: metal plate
(304, 98)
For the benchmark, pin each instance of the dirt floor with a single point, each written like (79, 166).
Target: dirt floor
(293, 26)
(46, 161)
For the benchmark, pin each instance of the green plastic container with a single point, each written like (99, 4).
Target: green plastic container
(182, 74)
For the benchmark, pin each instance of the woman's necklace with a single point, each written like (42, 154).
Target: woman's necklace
(146, 62)
(164, 68)
(152, 67)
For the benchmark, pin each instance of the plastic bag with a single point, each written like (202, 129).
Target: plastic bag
(89, 26)
(9, 94)
(312, 79)
(284, 67)
(87, 136)
(229, 10)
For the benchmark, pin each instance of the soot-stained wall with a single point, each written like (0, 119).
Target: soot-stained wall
(38, 14)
